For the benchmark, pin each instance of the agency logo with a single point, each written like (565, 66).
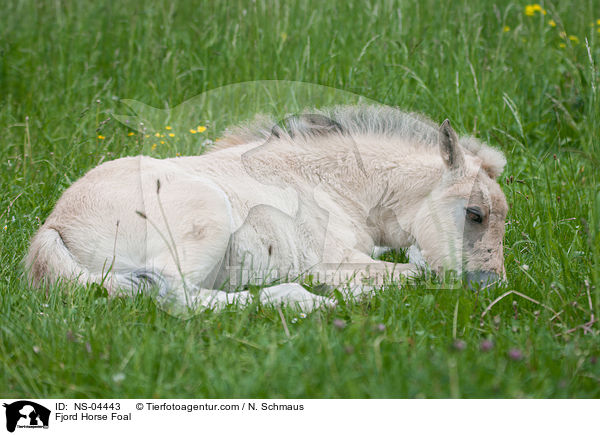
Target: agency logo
(25, 414)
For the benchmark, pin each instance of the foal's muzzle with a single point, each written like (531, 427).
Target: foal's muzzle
(480, 279)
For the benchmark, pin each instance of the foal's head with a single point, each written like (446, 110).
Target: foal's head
(461, 225)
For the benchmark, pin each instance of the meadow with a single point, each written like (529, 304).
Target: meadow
(523, 77)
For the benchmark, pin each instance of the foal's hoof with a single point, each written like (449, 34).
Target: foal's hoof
(294, 295)
(480, 280)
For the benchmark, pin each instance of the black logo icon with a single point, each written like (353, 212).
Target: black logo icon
(26, 414)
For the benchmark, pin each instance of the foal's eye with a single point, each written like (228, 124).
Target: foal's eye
(475, 214)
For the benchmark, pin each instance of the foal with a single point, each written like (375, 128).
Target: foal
(313, 195)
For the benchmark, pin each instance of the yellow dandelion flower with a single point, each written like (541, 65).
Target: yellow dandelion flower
(168, 127)
(162, 142)
(147, 136)
(552, 23)
(153, 146)
(562, 45)
(193, 131)
(157, 134)
(178, 154)
(131, 133)
(506, 28)
(530, 10)
(101, 137)
(201, 129)
(598, 21)
(162, 135)
(171, 134)
(574, 38)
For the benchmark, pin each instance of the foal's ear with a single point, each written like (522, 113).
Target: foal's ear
(451, 153)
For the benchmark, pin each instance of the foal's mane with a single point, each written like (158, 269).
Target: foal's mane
(357, 120)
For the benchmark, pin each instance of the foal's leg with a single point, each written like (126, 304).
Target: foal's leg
(289, 294)
(360, 274)
(379, 274)
(416, 257)
(294, 295)
(188, 234)
(188, 227)
(413, 252)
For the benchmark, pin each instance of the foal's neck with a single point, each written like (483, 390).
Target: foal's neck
(401, 179)
(380, 183)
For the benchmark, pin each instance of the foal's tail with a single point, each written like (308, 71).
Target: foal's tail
(49, 259)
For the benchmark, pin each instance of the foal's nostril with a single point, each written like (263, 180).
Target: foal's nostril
(481, 279)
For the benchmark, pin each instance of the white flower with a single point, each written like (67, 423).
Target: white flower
(525, 267)
(294, 320)
(118, 377)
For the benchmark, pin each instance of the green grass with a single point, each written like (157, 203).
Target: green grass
(64, 65)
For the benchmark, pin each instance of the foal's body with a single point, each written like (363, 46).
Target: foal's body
(278, 205)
